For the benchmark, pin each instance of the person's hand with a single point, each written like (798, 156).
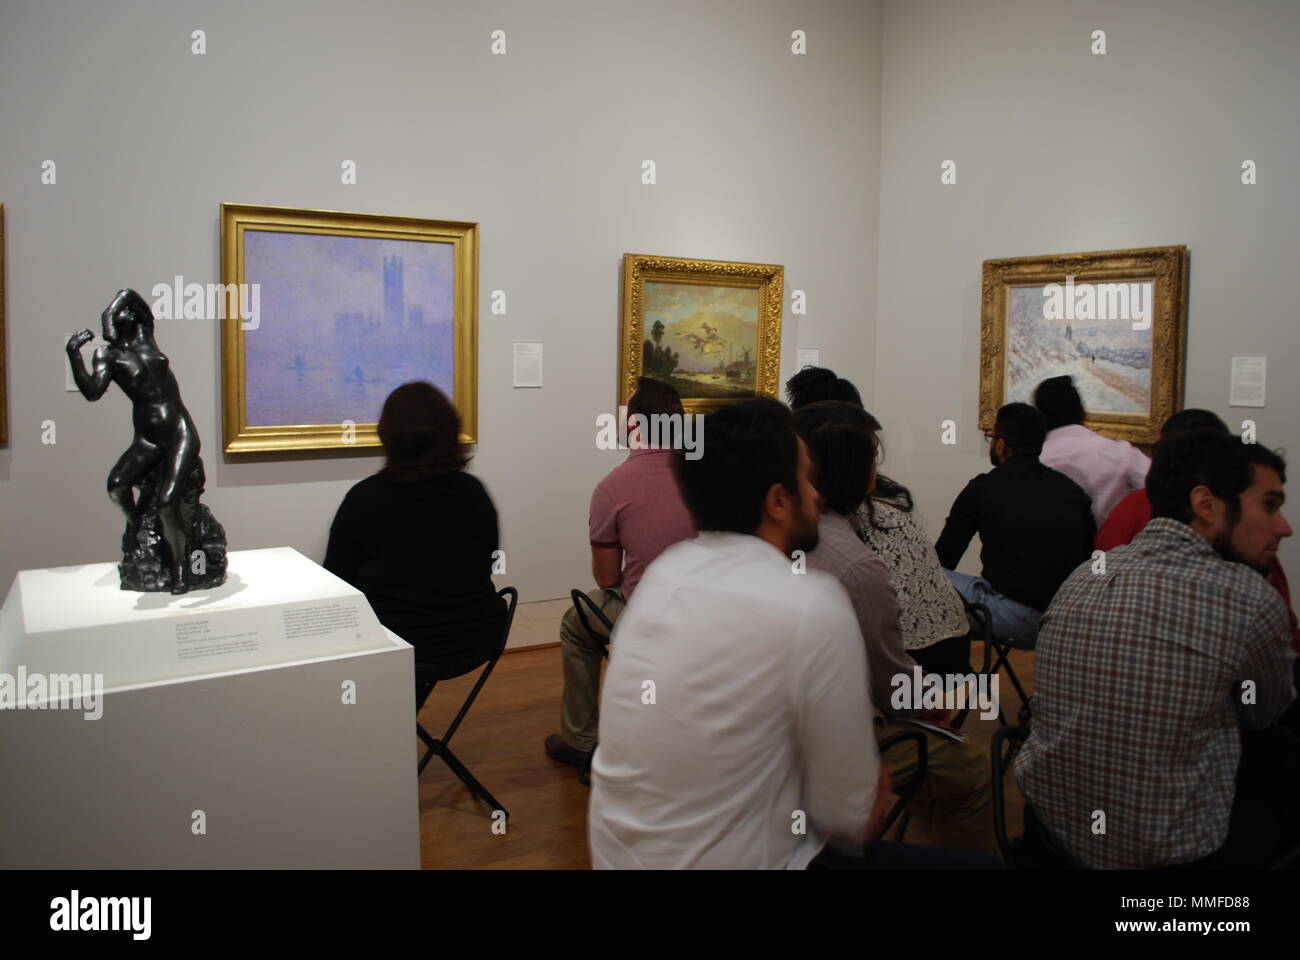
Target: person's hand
(79, 340)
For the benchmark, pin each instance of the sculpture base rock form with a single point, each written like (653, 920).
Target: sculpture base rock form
(145, 564)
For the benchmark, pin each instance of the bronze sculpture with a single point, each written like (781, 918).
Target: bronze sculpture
(172, 541)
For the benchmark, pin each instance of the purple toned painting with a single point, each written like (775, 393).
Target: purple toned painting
(343, 321)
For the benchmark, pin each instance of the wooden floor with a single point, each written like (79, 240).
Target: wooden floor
(501, 743)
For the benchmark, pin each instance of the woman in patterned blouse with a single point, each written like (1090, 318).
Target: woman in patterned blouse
(932, 617)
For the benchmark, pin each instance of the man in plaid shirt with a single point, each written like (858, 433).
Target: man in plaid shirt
(1152, 670)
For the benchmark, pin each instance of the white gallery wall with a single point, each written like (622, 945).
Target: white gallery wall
(761, 156)
(1060, 150)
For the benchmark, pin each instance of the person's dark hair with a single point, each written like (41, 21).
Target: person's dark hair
(420, 431)
(1213, 458)
(815, 384)
(1022, 427)
(891, 492)
(653, 397)
(819, 385)
(841, 443)
(1058, 402)
(1190, 421)
(747, 447)
(886, 490)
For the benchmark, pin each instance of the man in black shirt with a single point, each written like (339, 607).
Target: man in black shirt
(1035, 525)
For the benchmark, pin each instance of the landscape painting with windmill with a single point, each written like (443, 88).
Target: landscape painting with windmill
(702, 339)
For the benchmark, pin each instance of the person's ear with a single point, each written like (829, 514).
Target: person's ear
(1204, 505)
(776, 503)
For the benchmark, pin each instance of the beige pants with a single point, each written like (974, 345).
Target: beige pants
(954, 804)
(580, 704)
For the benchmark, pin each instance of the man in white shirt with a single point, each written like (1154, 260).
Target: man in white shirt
(1107, 470)
(736, 722)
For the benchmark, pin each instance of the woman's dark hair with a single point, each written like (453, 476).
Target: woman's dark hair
(815, 384)
(420, 431)
(841, 442)
(1058, 402)
(747, 447)
(818, 385)
(886, 490)
(891, 492)
(1213, 458)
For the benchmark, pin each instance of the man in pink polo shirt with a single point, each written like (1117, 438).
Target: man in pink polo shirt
(1108, 470)
(637, 512)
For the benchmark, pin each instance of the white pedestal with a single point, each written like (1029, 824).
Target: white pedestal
(231, 702)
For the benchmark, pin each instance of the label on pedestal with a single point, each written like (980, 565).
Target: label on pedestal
(276, 606)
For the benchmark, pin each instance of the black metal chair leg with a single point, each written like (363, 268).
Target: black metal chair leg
(906, 791)
(1007, 741)
(981, 622)
(1004, 660)
(1015, 682)
(469, 779)
(902, 825)
(431, 743)
(581, 601)
(439, 747)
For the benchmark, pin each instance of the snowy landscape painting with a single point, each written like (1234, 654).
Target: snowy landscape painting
(1109, 360)
(1115, 321)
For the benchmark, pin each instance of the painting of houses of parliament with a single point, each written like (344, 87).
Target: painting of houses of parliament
(345, 320)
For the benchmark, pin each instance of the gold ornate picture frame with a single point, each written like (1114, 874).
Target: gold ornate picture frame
(1115, 320)
(345, 307)
(711, 328)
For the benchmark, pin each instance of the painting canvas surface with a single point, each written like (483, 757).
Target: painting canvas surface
(1109, 360)
(344, 321)
(702, 339)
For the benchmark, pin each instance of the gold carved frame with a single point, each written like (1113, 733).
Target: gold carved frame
(768, 279)
(1166, 267)
(236, 219)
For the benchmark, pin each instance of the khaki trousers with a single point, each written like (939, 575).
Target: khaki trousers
(955, 803)
(581, 654)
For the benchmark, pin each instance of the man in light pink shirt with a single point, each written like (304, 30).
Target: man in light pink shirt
(637, 512)
(1107, 470)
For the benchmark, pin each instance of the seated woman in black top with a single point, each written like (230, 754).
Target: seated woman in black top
(418, 537)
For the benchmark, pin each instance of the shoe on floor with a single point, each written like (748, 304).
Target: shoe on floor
(560, 751)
